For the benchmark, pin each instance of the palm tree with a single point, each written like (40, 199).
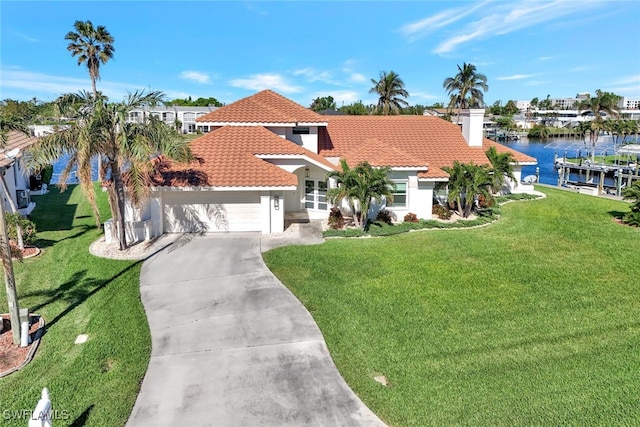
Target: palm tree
(633, 193)
(603, 102)
(466, 88)
(359, 186)
(501, 168)
(467, 181)
(7, 124)
(93, 46)
(129, 149)
(390, 90)
(10, 123)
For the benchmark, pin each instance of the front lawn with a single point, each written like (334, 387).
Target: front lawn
(92, 384)
(532, 320)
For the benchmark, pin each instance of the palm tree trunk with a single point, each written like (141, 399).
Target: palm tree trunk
(119, 209)
(9, 281)
(14, 209)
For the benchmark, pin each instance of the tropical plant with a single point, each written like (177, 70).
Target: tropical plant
(633, 193)
(384, 216)
(466, 182)
(336, 220)
(601, 103)
(323, 103)
(466, 89)
(539, 131)
(411, 217)
(501, 168)
(355, 109)
(391, 93)
(128, 150)
(359, 187)
(8, 123)
(92, 46)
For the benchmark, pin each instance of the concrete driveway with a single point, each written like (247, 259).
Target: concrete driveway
(232, 346)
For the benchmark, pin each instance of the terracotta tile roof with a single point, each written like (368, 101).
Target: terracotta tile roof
(426, 140)
(16, 141)
(227, 157)
(377, 153)
(263, 107)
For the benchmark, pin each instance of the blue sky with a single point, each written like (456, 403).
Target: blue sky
(229, 50)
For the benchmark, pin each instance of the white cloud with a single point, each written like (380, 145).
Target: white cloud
(39, 83)
(22, 36)
(424, 95)
(313, 75)
(418, 29)
(357, 78)
(627, 86)
(499, 19)
(22, 84)
(196, 76)
(546, 58)
(515, 77)
(275, 82)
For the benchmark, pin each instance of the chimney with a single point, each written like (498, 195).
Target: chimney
(472, 121)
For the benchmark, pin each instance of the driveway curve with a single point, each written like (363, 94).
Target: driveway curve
(231, 346)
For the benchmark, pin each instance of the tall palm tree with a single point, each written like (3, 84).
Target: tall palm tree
(466, 89)
(359, 186)
(501, 168)
(92, 46)
(602, 102)
(390, 90)
(129, 149)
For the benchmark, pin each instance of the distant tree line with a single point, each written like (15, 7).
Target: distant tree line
(200, 102)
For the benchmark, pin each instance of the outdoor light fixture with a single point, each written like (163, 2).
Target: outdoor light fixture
(276, 202)
(306, 172)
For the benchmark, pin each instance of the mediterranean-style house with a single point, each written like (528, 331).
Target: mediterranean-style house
(265, 159)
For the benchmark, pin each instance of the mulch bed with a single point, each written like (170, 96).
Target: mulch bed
(13, 357)
(27, 252)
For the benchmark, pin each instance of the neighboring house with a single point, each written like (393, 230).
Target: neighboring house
(266, 159)
(185, 117)
(14, 183)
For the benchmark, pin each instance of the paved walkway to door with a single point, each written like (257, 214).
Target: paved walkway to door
(232, 346)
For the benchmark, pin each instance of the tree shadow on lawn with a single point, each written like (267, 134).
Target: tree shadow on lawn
(46, 243)
(617, 214)
(75, 291)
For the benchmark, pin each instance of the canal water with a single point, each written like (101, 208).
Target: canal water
(544, 151)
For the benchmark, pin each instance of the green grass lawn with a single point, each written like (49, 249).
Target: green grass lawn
(532, 320)
(96, 383)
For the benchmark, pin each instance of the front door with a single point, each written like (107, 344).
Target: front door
(315, 194)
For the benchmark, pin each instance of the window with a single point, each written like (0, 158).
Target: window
(300, 130)
(315, 194)
(189, 117)
(399, 195)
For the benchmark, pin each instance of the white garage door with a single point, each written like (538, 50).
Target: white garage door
(208, 212)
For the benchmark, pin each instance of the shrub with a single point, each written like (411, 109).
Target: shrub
(632, 218)
(385, 216)
(485, 202)
(441, 212)
(410, 217)
(28, 228)
(336, 220)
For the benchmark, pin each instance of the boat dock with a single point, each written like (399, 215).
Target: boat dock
(595, 178)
